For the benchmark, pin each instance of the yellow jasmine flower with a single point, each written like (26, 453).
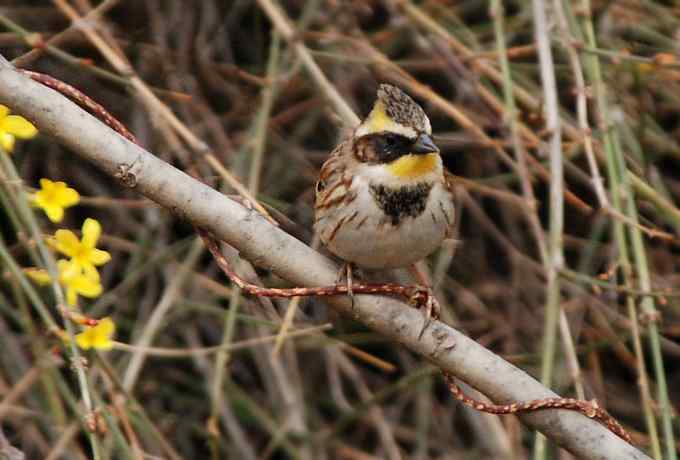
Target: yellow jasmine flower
(53, 197)
(71, 277)
(97, 337)
(13, 126)
(76, 282)
(38, 275)
(82, 252)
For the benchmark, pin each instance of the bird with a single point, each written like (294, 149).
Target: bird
(383, 199)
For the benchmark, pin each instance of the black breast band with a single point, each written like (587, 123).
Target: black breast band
(402, 202)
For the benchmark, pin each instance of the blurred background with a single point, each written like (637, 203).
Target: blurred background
(252, 117)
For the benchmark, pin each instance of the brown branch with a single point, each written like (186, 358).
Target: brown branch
(416, 295)
(588, 408)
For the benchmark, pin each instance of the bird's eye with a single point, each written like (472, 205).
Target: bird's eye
(390, 146)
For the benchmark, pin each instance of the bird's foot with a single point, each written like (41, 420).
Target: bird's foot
(346, 272)
(423, 299)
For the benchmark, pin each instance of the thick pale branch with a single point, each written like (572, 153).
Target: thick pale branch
(267, 246)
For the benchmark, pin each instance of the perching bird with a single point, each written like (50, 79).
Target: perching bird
(382, 199)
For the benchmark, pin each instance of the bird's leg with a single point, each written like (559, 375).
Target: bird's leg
(432, 307)
(347, 273)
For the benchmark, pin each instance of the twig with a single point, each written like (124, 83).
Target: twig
(161, 352)
(588, 408)
(511, 115)
(618, 183)
(581, 103)
(48, 259)
(288, 33)
(7, 450)
(39, 48)
(555, 260)
(154, 323)
(415, 294)
(82, 100)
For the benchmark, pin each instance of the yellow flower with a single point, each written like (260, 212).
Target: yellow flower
(76, 282)
(97, 337)
(71, 277)
(13, 126)
(53, 197)
(38, 275)
(82, 252)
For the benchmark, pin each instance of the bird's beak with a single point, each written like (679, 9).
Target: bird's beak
(424, 144)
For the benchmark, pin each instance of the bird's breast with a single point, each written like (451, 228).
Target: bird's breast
(386, 227)
(402, 202)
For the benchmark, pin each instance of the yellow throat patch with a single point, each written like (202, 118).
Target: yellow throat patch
(413, 166)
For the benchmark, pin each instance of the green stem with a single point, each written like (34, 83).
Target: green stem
(620, 187)
(555, 260)
(26, 214)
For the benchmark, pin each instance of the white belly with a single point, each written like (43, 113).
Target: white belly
(370, 240)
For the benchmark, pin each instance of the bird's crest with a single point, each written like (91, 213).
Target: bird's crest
(394, 111)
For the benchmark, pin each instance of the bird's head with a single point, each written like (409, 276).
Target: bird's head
(398, 134)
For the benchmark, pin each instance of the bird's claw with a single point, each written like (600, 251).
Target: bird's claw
(423, 298)
(346, 272)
